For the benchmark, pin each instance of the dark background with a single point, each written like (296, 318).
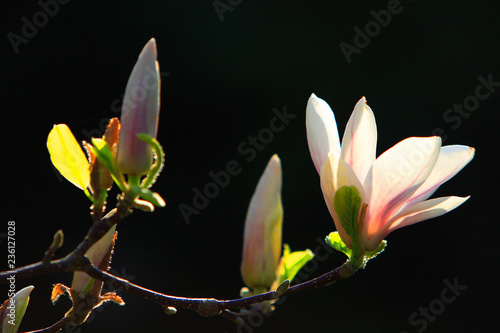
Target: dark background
(224, 79)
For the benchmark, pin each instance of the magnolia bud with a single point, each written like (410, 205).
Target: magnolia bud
(263, 226)
(140, 110)
(12, 311)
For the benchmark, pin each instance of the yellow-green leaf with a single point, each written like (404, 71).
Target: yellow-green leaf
(68, 157)
(291, 263)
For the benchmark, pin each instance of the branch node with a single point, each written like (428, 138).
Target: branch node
(57, 242)
(209, 307)
(282, 288)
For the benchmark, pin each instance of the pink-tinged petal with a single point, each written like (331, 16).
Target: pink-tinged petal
(99, 255)
(12, 311)
(336, 173)
(450, 161)
(417, 213)
(395, 176)
(322, 132)
(140, 112)
(263, 229)
(360, 140)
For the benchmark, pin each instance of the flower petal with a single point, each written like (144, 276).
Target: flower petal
(13, 310)
(322, 132)
(450, 161)
(417, 213)
(263, 229)
(360, 139)
(336, 173)
(395, 176)
(140, 112)
(99, 255)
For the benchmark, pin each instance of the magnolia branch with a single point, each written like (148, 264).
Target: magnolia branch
(77, 261)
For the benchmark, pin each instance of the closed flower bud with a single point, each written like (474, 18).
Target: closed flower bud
(263, 227)
(85, 291)
(12, 311)
(99, 255)
(140, 110)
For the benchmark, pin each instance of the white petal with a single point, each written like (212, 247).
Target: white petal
(263, 229)
(322, 132)
(417, 213)
(335, 174)
(267, 195)
(396, 175)
(424, 211)
(360, 140)
(450, 161)
(15, 308)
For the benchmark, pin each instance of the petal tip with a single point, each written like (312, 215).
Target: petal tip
(149, 49)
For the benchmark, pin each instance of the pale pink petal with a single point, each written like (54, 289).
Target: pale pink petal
(419, 212)
(336, 173)
(263, 228)
(98, 252)
(395, 176)
(450, 161)
(322, 132)
(360, 140)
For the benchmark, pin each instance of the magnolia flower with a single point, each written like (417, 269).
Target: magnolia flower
(140, 111)
(395, 186)
(12, 311)
(263, 226)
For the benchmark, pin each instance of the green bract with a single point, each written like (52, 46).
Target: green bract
(103, 153)
(334, 240)
(291, 263)
(347, 202)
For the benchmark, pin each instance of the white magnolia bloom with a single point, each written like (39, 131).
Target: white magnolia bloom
(395, 186)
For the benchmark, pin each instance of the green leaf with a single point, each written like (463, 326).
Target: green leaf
(291, 263)
(67, 156)
(156, 168)
(334, 240)
(347, 202)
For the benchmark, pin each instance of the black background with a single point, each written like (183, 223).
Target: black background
(224, 79)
